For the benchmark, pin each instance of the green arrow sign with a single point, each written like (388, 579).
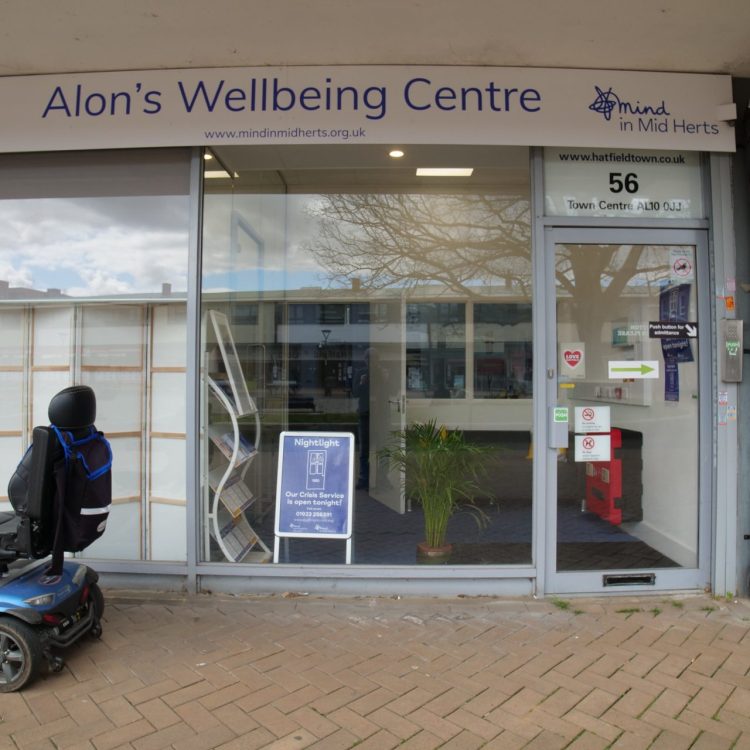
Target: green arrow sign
(643, 369)
(620, 370)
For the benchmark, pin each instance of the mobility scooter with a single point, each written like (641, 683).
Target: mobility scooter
(60, 502)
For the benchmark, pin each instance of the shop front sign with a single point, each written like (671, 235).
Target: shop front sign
(375, 104)
(624, 184)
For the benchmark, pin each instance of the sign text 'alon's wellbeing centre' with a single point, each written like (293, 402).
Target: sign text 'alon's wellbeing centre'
(369, 104)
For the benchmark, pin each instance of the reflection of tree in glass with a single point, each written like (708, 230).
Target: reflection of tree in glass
(407, 240)
(599, 279)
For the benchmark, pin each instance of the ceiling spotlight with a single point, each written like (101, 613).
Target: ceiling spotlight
(396, 153)
(208, 156)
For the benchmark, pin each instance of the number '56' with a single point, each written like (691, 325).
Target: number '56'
(619, 182)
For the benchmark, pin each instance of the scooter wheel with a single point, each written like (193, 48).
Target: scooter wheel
(97, 599)
(97, 602)
(20, 654)
(56, 663)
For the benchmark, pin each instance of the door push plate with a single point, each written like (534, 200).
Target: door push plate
(557, 427)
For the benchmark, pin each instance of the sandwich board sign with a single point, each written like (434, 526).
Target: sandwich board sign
(315, 487)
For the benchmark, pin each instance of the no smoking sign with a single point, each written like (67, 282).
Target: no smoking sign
(681, 264)
(592, 419)
(682, 268)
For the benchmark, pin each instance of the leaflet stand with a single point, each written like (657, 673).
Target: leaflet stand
(228, 495)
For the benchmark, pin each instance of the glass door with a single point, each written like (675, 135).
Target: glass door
(629, 374)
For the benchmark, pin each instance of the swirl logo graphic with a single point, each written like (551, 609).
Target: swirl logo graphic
(607, 102)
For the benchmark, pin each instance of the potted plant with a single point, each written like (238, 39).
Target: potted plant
(440, 469)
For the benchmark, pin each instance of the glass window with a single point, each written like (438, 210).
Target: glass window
(436, 350)
(502, 350)
(93, 281)
(382, 301)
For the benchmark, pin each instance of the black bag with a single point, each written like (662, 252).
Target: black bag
(83, 492)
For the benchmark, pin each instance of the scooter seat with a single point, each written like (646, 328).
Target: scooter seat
(9, 523)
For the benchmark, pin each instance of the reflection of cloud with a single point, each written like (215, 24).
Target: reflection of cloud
(283, 222)
(102, 282)
(15, 275)
(98, 246)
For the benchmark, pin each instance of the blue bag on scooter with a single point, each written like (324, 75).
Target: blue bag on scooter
(83, 491)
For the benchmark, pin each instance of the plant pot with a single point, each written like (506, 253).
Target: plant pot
(428, 554)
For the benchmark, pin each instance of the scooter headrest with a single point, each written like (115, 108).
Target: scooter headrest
(73, 408)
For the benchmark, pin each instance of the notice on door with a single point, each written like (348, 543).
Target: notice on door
(593, 448)
(592, 419)
(681, 264)
(573, 361)
(667, 329)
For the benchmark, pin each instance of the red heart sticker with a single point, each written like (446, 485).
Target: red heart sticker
(572, 358)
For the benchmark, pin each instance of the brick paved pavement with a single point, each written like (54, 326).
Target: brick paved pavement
(309, 672)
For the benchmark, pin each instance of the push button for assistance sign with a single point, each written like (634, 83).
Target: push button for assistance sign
(667, 329)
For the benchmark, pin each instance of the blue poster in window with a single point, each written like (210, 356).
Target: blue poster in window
(315, 484)
(674, 306)
(671, 380)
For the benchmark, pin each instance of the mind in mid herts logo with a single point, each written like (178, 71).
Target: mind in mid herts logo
(607, 102)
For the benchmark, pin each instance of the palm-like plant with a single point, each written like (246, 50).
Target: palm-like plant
(440, 469)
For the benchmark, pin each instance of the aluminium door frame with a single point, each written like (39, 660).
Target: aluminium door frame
(590, 582)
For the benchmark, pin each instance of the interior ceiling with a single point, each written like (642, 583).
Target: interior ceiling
(298, 168)
(49, 36)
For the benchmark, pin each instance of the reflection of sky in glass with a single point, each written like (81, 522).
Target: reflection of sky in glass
(280, 221)
(288, 242)
(90, 247)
